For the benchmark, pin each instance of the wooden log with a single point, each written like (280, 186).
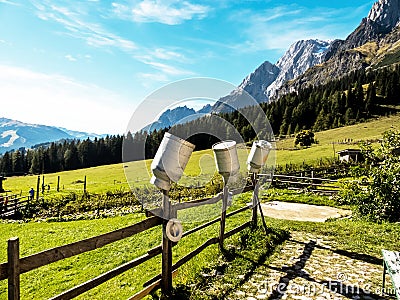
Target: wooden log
(88, 285)
(52, 255)
(13, 269)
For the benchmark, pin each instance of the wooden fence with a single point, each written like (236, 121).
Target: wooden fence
(312, 184)
(334, 171)
(17, 265)
(11, 205)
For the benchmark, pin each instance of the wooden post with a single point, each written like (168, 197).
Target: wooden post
(84, 185)
(166, 263)
(37, 187)
(43, 185)
(13, 269)
(223, 215)
(255, 199)
(58, 183)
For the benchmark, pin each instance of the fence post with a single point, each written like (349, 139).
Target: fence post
(13, 269)
(37, 188)
(84, 186)
(166, 263)
(58, 183)
(255, 199)
(223, 215)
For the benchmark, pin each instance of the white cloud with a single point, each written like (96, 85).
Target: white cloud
(277, 28)
(168, 69)
(60, 101)
(73, 21)
(70, 57)
(9, 2)
(165, 12)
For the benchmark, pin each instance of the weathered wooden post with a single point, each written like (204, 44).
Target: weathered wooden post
(58, 183)
(257, 158)
(227, 162)
(225, 195)
(254, 199)
(166, 260)
(167, 166)
(84, 185)
(37, 187)
(13, 269)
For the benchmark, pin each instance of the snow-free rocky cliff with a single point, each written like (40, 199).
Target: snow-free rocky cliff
(263, 83)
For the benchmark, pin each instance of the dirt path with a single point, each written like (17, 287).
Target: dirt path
(308, 267)
(302, 212)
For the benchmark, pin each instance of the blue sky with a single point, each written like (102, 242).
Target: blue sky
(86, 65)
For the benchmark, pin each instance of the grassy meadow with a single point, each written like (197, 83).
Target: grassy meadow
(52, 279)
(201, 165)
(360, 237)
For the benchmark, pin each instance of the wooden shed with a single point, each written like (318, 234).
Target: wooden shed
(348, 155)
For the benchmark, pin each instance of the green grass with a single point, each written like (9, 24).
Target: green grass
(201, 166)
(52, 279)
(250, 250)
(372, 130)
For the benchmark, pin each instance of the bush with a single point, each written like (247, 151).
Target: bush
(376, 190)
(304, 138)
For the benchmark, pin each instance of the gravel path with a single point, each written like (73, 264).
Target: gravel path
(308, 267)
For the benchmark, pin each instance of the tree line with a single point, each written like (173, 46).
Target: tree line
(354, 98)
(62, 156)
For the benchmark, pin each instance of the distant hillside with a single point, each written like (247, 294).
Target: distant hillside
(16, 134)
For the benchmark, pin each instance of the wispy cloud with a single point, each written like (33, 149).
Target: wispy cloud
(73, 99)
(166, 12)
(70, 57)
(161, 54)
(74, 22)
(9, 2)
(277, 28)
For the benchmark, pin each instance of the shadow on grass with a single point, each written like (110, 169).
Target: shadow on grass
(242, 257)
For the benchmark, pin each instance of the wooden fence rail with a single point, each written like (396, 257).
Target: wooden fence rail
(12, 204)
(313, 184)
(16, 266)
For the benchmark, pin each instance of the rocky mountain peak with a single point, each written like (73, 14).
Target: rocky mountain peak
(301, 56)
(257, 82)
(385, 13)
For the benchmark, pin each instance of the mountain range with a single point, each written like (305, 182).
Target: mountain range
(15, 134)
(373, 44)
